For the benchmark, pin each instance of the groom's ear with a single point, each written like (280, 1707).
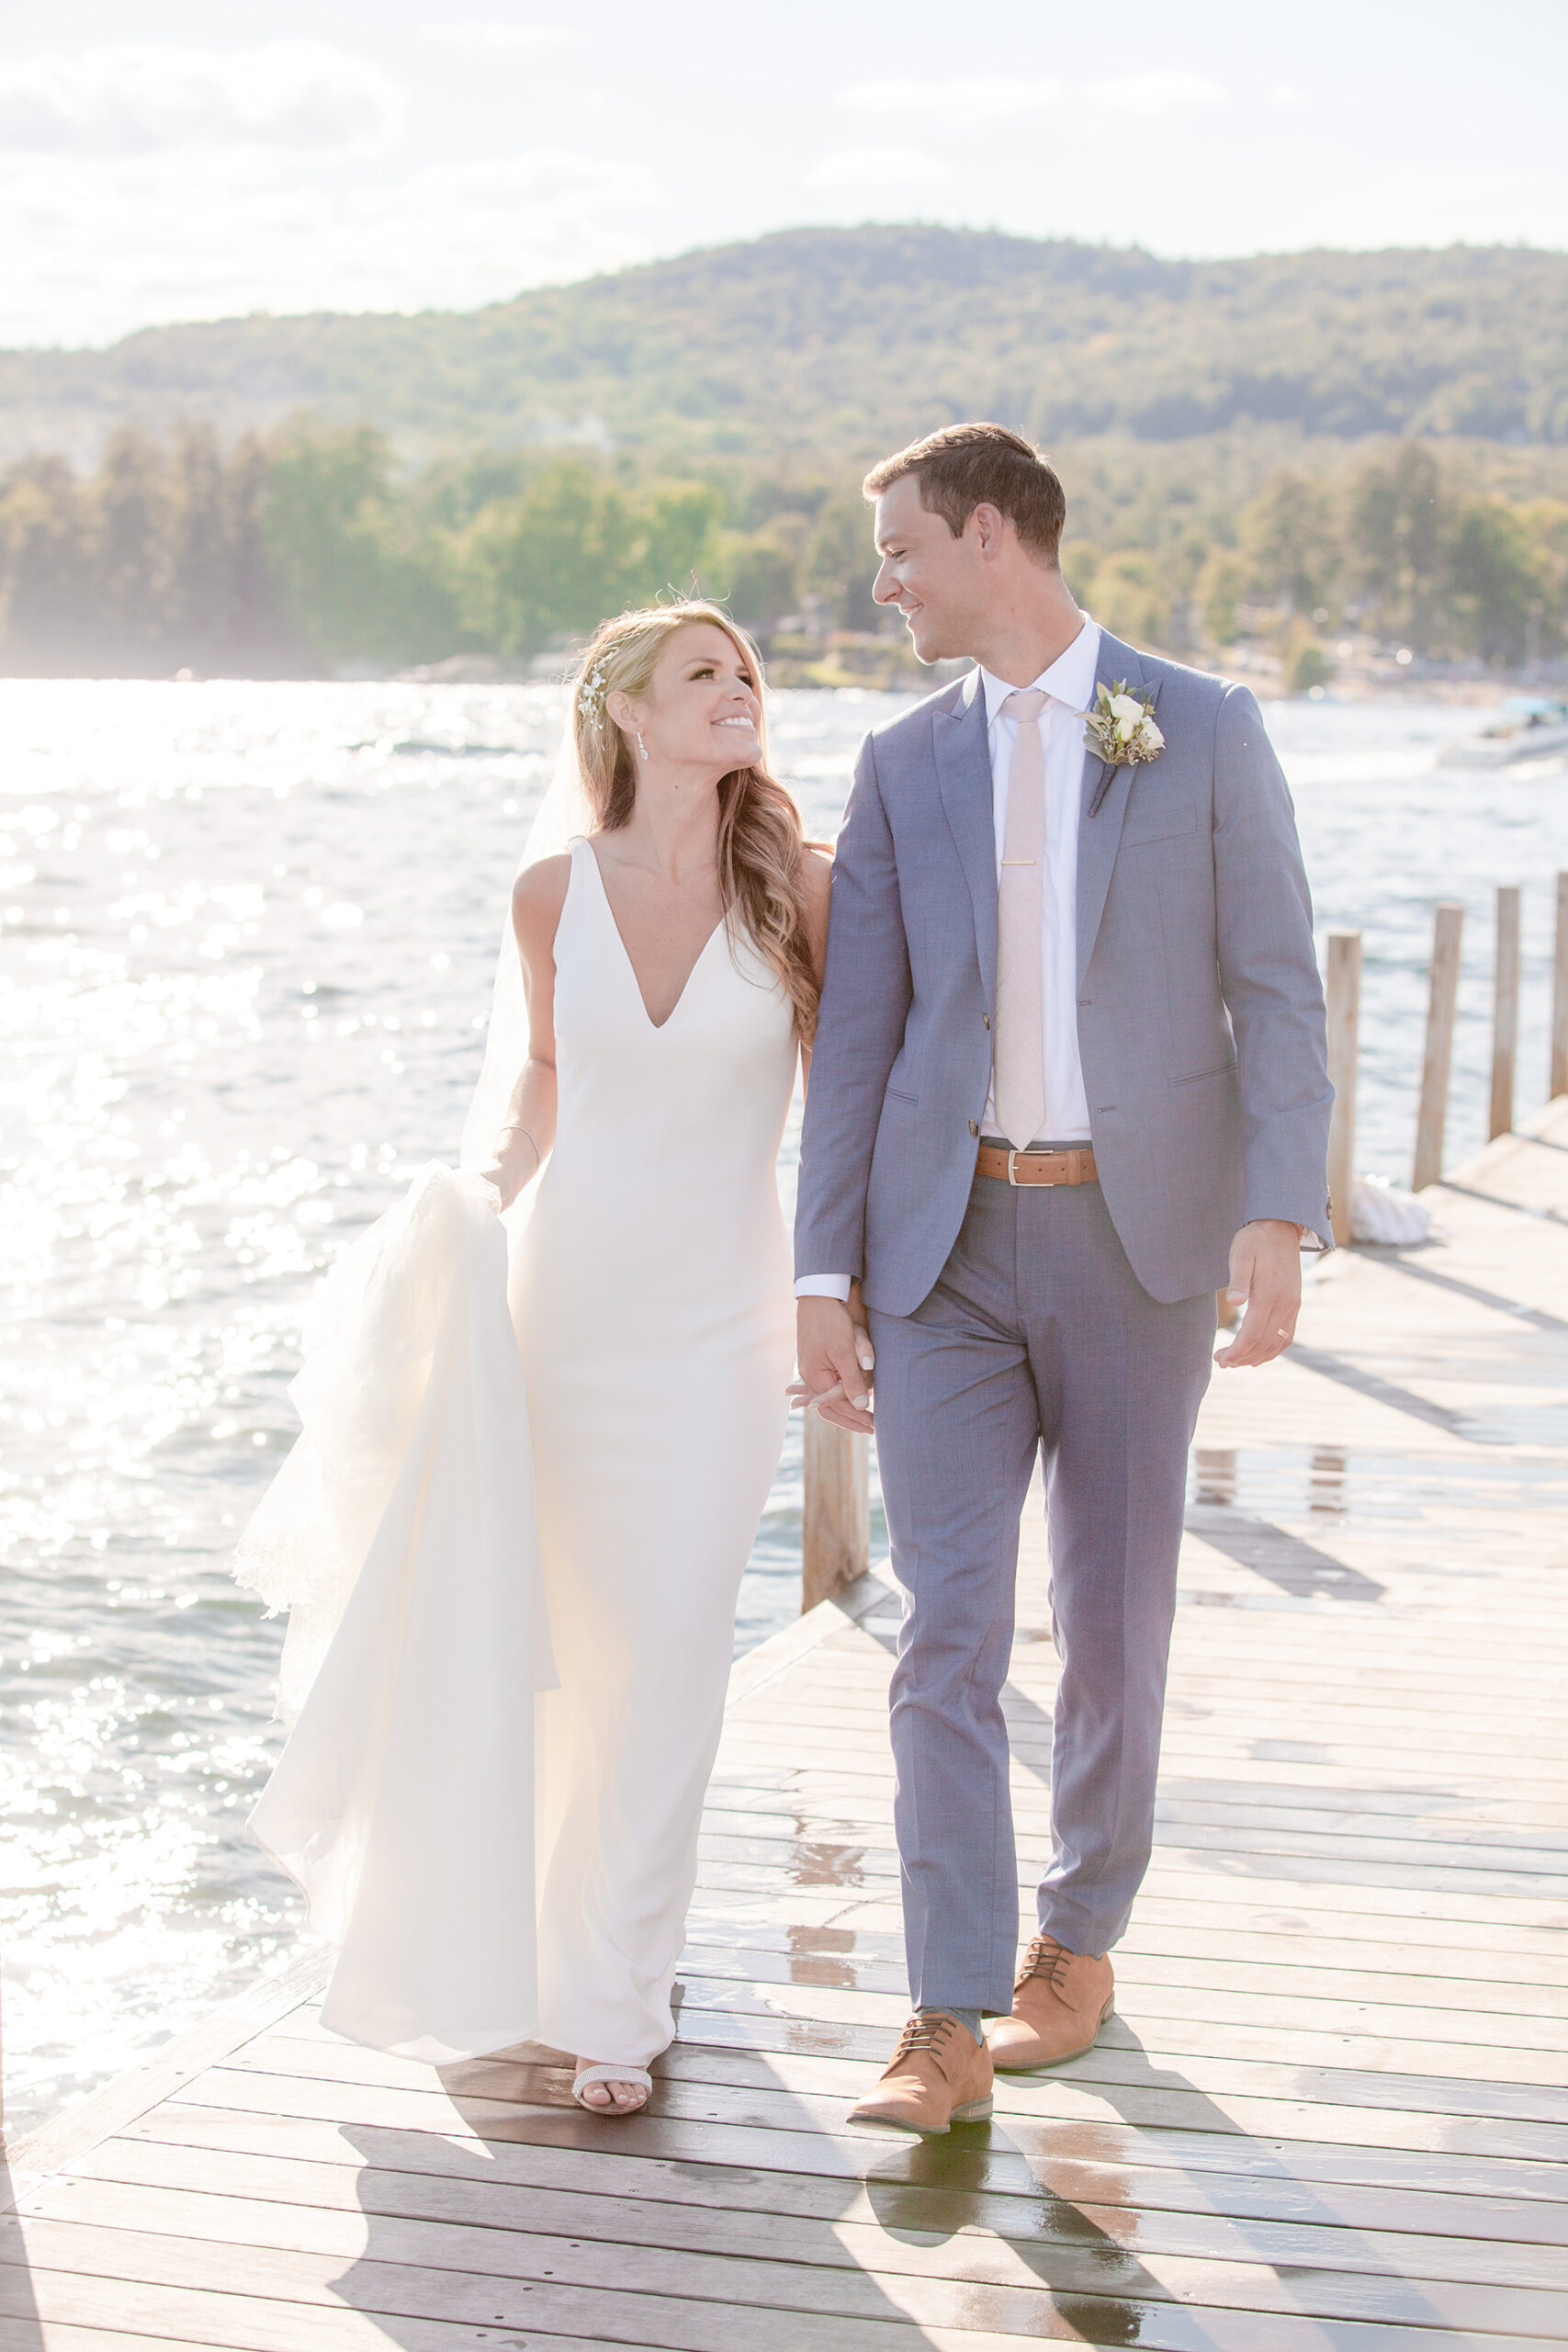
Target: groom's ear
(988, 524)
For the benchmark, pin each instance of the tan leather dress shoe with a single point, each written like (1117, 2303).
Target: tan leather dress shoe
(1061, 2000)
(940, 2075)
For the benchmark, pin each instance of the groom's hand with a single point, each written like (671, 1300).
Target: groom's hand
(834, 1352)
(1265, 1278)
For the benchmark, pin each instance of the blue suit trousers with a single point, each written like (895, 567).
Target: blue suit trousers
(1037, 1340)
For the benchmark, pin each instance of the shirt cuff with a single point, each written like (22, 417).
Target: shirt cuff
(823, 1286)
(1310, 1240)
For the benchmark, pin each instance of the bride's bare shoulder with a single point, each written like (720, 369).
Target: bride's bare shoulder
(538, 897)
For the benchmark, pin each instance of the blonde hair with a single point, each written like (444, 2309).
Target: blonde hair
(762, 845)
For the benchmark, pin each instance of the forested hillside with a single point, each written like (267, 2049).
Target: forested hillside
(1271, 449)
(836, 341)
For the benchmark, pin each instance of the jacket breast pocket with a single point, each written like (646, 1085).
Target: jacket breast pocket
(1163, 810)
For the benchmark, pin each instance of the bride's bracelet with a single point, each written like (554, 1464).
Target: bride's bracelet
(515, 1128)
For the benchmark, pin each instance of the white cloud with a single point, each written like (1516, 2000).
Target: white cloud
(142, 97)
(963, 101)
(877, 167)
(1155, 92)
(492, 32)
(99, 248)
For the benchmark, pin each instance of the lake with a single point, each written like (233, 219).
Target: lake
(248, 938)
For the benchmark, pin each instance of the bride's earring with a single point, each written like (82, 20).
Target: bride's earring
(642, 747)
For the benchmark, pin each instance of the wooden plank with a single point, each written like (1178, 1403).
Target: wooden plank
(248, 2323)
(591, 2192)
(868, 1955)
(579, 2285)
(1413, 1825)
(1151, 2089)
(33, 2334)
(523, 2237)
(1190, 2161)
(1504, 1010)
(78, 2305)
(775, 1658)
(835, 1543)
(1343, 992)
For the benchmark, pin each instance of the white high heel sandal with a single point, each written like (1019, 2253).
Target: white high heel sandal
(636, 2075)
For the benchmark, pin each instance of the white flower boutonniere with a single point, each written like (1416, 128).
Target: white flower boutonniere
(1121, 728)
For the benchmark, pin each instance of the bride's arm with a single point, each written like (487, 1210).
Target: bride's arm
(528, 1130)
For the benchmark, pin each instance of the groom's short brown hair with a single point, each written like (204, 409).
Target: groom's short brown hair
(965, 466)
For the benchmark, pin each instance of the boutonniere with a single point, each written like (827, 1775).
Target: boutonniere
(1121, 728)
(1120, 731)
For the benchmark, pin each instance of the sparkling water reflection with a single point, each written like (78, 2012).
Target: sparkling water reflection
(248, 938)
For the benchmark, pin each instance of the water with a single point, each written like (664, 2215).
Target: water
(248, 939)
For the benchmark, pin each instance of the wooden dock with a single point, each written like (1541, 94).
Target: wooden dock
(1329, 2113)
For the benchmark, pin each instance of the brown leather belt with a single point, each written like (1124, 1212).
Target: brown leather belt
(1038, 1167)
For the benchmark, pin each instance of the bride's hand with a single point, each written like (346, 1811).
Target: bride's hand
(836, 1360)
(513, 1160)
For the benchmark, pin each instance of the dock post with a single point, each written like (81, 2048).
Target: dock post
(1446, 925)
(836, 1533)
(1504, 1012)
(1344, 994)
(1559, 1073)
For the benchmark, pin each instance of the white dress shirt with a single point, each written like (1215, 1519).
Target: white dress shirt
(1069, 682)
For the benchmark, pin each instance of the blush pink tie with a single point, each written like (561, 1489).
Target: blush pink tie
(1020, 900)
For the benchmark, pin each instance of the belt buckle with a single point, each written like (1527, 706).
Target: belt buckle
(1046, 1183)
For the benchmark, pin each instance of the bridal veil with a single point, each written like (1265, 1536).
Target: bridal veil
(400, 1536)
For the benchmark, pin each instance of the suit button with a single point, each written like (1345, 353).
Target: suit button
(974, 1127)
(987, 1019)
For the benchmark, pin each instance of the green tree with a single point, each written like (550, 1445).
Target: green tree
(1496, 581)
(1289, 543)
(354, 572)
(841, 563)
(46, 569)
(1220, 585)
(1399, 511)
(1132, 598)
(760, 574)
(573, 548)
(1080, 561)
(674, 551)
(134, 530)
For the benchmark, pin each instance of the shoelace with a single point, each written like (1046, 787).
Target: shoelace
(1047, 1959)
(924, 2033)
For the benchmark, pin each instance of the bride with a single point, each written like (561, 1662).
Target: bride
(669, 957)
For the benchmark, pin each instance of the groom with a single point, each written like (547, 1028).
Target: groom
(1069, 1077)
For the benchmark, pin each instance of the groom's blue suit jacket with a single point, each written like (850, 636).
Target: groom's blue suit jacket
(1200, 1017)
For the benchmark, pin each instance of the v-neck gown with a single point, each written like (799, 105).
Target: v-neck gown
(652, 1299)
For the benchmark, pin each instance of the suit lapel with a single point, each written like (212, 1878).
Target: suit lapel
(1105, 790)
(964, 774)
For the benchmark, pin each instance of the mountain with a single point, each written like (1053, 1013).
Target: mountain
(840, 343)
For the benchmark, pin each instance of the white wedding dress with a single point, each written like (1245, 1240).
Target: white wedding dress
(652, 1298)
(433, 1501)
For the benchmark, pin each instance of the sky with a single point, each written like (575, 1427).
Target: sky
(197, 158)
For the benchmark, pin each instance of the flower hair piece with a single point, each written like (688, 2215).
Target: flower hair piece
(590, 694)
